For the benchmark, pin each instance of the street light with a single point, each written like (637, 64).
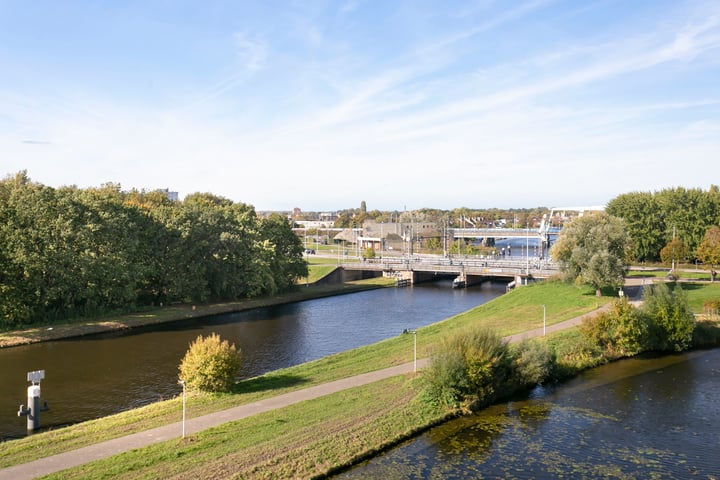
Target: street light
(414, 332)
(527, 249)
(543, 320)
(182, 382)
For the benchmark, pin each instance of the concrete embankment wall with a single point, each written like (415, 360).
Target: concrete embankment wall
(340, 275)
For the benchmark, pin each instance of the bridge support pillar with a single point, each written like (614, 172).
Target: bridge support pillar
(406, 276)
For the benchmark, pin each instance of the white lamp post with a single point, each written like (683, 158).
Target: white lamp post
(414, 332)
(527, 250)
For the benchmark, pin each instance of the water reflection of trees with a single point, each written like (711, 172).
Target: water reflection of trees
(474, 437)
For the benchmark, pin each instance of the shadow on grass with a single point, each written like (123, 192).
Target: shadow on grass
(264, 383)
(689, 287)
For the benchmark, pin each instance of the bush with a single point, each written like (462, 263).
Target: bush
(578, 356)
(706, 334)
(477, 367)
(210, 364)
(472, 366)
(621, 331)
(445, 379)
(535, 364)
(670, 318)
(599, 330)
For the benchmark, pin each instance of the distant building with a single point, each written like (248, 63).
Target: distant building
(379, 235)
(327, 216)
(317, 224)
(172, 196)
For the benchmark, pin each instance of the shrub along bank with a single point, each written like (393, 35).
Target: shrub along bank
(475, 367)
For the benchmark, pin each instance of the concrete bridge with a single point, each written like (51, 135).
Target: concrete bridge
(465, 270)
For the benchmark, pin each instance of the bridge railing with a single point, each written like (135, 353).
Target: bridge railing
(494, 232)
(455, 264)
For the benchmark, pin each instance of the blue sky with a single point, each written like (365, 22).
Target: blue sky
(403, 104)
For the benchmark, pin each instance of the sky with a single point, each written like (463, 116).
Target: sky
(322, 105)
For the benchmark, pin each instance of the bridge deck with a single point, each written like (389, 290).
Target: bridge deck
(456, 266)
(496, 233)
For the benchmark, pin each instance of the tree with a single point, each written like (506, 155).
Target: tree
(433, 244)
(708, 251)
(651, 218)
(210, 364)
(285, 260)
(592, 249)
(674, 252)
(670, 319)
(690, 211)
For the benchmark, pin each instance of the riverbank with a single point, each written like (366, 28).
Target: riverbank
(307, 439)
(173, 313)
(512, 313)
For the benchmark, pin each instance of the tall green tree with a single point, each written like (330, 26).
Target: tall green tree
(592, 250)
(643, 222)
(285, 263)
(687, 213)
(215, 247)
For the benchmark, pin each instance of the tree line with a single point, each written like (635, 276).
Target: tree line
(674, 219)
(71, 252)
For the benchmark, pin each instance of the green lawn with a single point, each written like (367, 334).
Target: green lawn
(699, 293)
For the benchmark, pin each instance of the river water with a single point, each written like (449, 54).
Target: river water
(98, 375)
(654, 418)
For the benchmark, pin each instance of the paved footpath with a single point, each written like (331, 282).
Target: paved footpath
(62, 461)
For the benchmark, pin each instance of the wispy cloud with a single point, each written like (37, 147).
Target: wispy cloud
(498, 20)
(349, 6)
(610, 62)
(251, 51)
(249, 57)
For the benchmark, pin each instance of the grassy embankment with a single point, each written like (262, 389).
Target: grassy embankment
(313, 437)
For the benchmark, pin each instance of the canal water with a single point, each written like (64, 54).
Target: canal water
(640, 418)
(94, 376)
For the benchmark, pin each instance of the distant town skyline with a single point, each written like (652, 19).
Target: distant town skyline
(402, 104)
